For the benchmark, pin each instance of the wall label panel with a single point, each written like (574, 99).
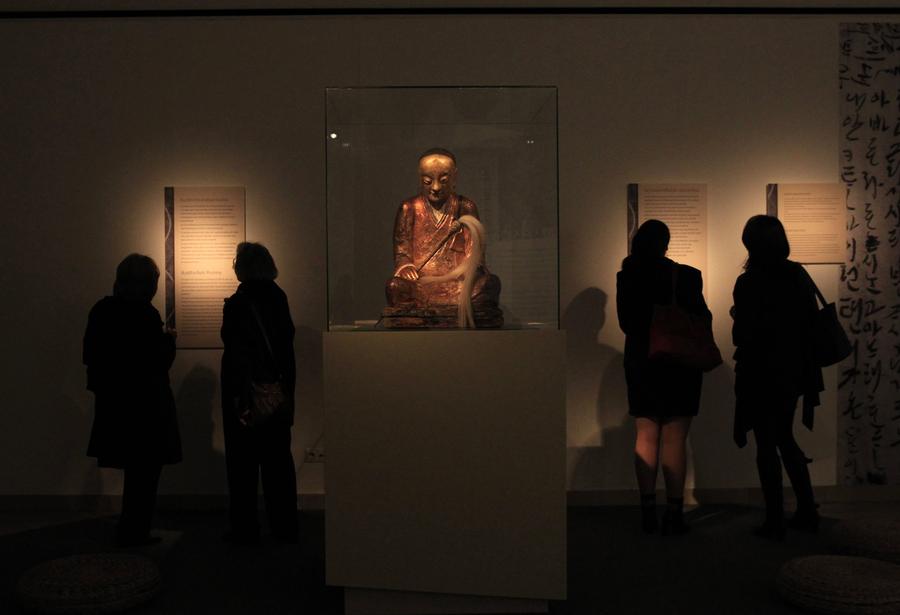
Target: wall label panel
(814, 218)
(203, 228)
(683, 209)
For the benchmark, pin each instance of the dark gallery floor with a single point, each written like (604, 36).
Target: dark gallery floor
(613, 568)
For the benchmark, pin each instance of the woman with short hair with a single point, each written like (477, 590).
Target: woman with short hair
(128, 354)
(662, 397)
(258, 335)
(774, 308)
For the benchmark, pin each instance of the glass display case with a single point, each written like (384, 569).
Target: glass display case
(503, 144)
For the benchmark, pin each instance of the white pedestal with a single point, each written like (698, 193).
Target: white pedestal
(446, 467)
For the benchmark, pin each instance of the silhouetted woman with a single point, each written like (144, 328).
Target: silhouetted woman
(128, 355)
(663, 398)
(259, 348)
(774, 307)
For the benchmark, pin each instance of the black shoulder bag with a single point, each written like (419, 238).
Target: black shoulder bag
(266, 398)
(830, 342)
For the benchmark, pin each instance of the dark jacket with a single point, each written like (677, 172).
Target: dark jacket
(657, 390)
(246, 357)
(128, 356)
(774, 310)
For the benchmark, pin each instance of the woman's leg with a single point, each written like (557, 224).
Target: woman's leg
(242, 467)
(646, 454)
(768, 464)
(795, 465)
(138, 503)
(674, 465)
(279, 481)
(646, 461)
(674, 454)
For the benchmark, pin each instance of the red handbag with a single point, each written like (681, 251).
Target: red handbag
(678, 337)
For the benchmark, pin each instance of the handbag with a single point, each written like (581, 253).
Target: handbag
(830, 342)
(678, 337)
(266, 398)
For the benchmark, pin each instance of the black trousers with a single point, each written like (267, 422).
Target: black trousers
(253, 451)
(773, 430)
(138, 502)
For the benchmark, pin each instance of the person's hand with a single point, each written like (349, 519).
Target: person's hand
(455, 227)
(408, 273)
(171, 331)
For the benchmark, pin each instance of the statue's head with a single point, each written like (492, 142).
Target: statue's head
(437, 175)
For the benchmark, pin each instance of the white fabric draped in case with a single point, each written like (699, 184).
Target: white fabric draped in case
(466, 270)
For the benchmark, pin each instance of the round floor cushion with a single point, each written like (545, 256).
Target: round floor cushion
(877, 537)
(89, 583)
(841, 584)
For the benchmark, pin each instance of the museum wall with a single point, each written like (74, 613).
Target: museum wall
(97, 116)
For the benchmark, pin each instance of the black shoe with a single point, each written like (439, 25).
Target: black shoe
(241, 538)
(805, 521)
(142, 541)
(673, 524)
(770, 530)
(649, 522)
(289, 538)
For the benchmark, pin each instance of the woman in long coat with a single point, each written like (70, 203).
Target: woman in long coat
(663, 398)
(128, 354)
(258, 334)
(774, 308)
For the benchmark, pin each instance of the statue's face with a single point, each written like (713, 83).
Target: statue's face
(437, 178)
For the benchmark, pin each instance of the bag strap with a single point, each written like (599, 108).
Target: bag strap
(262, 330)
(815, 288)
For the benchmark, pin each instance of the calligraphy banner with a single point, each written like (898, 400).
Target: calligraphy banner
(869, 380)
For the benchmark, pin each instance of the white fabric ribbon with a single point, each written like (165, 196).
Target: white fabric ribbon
(465, 270)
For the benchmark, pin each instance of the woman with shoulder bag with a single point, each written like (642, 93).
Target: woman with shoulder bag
(258, 379)
(774, 334)
(663, 396)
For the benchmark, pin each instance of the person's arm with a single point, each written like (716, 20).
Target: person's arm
(289, 368)
(696, 304)
(239, 351)
(91, 351)
(747, 314)
(624, 310)
(165, 339)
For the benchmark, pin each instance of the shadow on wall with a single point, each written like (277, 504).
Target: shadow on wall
(718, 462)
(203, 467)
(65, 464)
(600, 433)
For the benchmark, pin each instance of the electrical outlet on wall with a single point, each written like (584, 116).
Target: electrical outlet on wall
(315, 455)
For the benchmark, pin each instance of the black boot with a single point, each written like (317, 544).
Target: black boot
(768, 464)
(673, 519)
(773, 527)
(649, 523)
(807, 517)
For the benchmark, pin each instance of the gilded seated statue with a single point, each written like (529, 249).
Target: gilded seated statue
(439, 257)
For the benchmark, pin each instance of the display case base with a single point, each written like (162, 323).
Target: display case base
(358, 601)
(446, 462)
(438, 317)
